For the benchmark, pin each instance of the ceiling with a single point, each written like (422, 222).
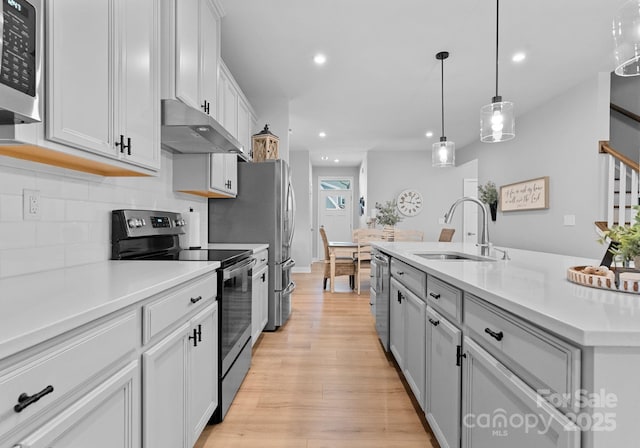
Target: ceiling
(380, 87)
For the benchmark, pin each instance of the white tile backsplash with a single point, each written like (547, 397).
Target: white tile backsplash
(76, 209)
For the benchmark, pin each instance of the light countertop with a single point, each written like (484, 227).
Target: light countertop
(36, 307)
(534, 286)
(255, 247)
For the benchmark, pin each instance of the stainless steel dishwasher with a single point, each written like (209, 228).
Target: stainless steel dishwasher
(380, 276)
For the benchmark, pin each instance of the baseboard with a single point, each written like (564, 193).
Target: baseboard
(301, 270)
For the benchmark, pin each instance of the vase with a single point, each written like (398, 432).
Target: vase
(389, 232)
(493, 207)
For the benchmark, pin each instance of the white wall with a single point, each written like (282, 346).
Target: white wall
(560, 140)
(300, 164)
(390, 172)
(75, 225)
(275, 113)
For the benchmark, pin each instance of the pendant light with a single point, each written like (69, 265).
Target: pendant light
(497, 123)
(626, 38)
(443, 153)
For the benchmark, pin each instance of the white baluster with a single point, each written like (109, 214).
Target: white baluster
(622, 195)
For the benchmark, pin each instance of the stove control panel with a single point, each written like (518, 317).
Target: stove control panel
(135, 223)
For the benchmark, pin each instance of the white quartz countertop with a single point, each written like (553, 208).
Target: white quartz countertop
(534, 286)
(255, 247)
(39, 306)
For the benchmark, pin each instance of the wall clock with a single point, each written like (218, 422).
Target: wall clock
(410, 202)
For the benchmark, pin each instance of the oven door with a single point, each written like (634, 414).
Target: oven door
(235, 314)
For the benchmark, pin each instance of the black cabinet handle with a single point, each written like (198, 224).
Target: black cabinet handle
(199, 333)
(25, 400)
(435, 323)
(400, 273)
(434, 295)
(399, 297)
(264, 277)
(128, 146)
(498, 336)
(121, 144)
(194, 337)
(204, 105)
(196, 299)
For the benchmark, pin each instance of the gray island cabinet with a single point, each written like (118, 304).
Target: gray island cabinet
(512, 354)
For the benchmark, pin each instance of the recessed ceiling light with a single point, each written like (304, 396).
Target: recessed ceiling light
(336, 160)
(322, 134)
(324, 158)
(429, 134)
(319, 59)
(519, 57)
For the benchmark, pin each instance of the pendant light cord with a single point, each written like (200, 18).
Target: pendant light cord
(497, 31)
(442, 92)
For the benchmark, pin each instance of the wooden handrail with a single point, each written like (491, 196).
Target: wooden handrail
(605, 148)
(625, 112)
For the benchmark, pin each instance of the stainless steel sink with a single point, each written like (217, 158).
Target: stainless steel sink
(451, 256)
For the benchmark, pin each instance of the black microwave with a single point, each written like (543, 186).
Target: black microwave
(20, 59)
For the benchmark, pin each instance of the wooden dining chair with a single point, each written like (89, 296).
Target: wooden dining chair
(362, 256)
(409, 235)
(446, 235)
(344, 265)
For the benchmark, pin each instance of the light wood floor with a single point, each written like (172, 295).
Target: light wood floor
(322, 380)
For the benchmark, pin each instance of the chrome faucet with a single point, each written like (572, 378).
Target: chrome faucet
(485, 245)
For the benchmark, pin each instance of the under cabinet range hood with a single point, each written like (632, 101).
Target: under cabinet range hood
(188, 130)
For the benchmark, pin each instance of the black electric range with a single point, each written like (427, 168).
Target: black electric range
(149, 235)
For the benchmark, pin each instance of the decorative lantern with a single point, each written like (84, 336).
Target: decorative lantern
(265, 145)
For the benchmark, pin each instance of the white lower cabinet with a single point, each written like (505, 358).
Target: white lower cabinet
(106, 417)
(180, 390)
(500, 411)
(260, 296)
(443, 394)
(408, 336)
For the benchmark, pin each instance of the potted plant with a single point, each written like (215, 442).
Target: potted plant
(489, 195)
(627, 241)
(387, 216)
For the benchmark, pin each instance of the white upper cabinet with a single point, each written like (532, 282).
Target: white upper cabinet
(103, 78)
(191, 50)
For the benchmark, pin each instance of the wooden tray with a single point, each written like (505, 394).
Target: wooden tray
(620, 279)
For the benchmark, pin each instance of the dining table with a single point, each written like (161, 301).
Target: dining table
(346, 247)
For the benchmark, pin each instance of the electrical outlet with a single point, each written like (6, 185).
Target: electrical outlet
(569, 220)
(31, 205)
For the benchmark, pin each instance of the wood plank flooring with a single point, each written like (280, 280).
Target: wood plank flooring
(322, 381)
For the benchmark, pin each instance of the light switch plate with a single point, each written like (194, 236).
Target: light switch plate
(569, 220)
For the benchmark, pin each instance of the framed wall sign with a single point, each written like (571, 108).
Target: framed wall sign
(530, 194)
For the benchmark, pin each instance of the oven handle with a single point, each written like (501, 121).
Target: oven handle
(289, 289)
(232, 270)
(288, 264)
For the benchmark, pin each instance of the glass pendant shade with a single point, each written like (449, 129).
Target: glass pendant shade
(443, 153)
(626, 38)
(497, 121)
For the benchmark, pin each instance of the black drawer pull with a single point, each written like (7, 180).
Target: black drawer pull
(400, 273)
(399, 297)
(263, 277)
(196, 299)
(435, 323)
(25, 400)
(498, 336)
(434, 295)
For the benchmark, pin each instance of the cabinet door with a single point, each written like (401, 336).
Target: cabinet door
(231, 172)
(443, 387)
(230, 106)
(203, 370)
(414, 329)
(188, 52)
(258, 305)
(244, 125)
(79, 100)
(396, 323)
(264, 299)
(217, 179)
(164, 382)
(210, 43)
(501, 411)
(138, 105)
(107, 417)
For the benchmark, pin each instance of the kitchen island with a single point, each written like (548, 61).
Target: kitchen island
(537, 344)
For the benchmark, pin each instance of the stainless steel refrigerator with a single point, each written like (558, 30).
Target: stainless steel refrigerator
(262, 212)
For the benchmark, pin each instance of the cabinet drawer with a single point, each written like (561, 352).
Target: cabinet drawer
(262, 258)
(445, 298)
(160, 314)
(412, 278)
(64, 368)
(545, 362)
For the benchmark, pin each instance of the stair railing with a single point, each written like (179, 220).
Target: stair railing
(623, 186)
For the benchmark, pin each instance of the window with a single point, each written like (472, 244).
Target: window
(335, 202)
(335, 184)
